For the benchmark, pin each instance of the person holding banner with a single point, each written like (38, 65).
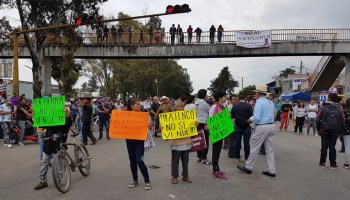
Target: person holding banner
(136, 151)
(263, 119)
(180, 149)
(220, 98)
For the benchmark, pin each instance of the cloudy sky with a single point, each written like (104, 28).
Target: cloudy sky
(236, 15)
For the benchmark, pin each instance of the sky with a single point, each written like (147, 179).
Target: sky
(233, 15)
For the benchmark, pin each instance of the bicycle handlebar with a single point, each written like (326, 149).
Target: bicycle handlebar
(57, 136)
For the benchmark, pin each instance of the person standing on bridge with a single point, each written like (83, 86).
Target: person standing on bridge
(189, 34)
(263, 119)
(150, 35)
(120, 35)
(99, 33)
(212, 31)
(141, 37)
(198, 32)
(220, 33)
(172, 32)
(114, 34)
(105, 34)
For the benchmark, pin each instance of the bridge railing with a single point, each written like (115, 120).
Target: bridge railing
(165, 38)
(324, 60)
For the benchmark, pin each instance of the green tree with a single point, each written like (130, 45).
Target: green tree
(34, 14)
(84, 87)
(284, 73)
(224, 82)
(5, 30)
(248, 90)
(92, 84)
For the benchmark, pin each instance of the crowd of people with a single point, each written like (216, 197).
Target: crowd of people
(253, 117)
(127, 35)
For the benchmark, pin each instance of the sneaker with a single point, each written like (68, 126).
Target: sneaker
(147, 186)
(306, 134)
(133, 184)
(322, 165)
(346, 166)
(335, 166)
(280, 129)
(9, 145)
(21, 144)
(5, 145)
(244, 169)
(41, 185)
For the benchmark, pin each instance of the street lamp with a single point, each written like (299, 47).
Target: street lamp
(242, 81)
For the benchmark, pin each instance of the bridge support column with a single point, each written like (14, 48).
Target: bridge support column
(45, 76)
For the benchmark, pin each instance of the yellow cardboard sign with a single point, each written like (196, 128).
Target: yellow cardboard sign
(178, 124)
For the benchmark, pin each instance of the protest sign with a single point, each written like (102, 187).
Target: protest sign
(129, 125)
(49, 111)
(178, 124)
(253, 39)
(220, 125)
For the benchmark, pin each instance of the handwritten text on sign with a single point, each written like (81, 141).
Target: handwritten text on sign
(49, 111)
(220, 125)
(178, 124)
(129, 125)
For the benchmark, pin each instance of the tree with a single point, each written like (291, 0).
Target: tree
(35, 14)
(5, 30)
(84, 87)
(92, 84)
(246, 91)
(224, 82)
(284, 73)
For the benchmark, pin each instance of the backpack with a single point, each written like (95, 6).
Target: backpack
(332, 119)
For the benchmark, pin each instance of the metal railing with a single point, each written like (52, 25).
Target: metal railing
(324, 60)
(165, 38)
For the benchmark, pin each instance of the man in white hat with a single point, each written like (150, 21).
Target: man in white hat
(263, 118)
(165, 106)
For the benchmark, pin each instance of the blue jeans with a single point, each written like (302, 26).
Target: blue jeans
(41, 144)
(136, 157)
(22, 126)
(106, 125)
(245, 133)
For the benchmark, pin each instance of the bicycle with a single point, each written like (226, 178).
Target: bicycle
(63, 163)
(94, 121)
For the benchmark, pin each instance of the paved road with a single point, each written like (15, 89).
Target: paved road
(298, 176)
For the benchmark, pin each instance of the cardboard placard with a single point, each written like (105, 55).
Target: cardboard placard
(220, 125)
(49, 111)
(178, 124)
(129, 125)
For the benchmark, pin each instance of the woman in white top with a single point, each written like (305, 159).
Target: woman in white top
(299, 116)
(312, 110)
(190, 103)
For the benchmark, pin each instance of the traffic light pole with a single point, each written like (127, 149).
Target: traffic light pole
(15, 35)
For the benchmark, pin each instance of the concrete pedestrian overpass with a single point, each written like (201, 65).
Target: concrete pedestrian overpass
(332, 44)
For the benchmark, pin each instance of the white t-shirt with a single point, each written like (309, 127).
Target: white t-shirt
(118, 107)
(146, 105)
(190, 106)
(68, 105)
(311, 114)
(7, 117)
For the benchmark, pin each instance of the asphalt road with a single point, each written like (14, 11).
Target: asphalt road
(296, 156)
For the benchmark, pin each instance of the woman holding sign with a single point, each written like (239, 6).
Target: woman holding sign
(220, 98)
(180, 149)
(136, 151)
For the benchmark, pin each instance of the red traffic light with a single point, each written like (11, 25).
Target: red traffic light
(178, 9)
(77, 21)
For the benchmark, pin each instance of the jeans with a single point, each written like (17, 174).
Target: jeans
(311, 122)
(86, 130)
(5, 129)
(342, 143)
(347, 148)
(245, 133)
(22, 126)
(175, 159)
(172, 38)
(106, 125)
(231, 146)
(328, 142)
(203, 154)
(299, 124)
(217, 146)
(219, 37)
(44, 167)
(41, 144)
(136, 152)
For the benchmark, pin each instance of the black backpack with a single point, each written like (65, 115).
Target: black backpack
(332, 119)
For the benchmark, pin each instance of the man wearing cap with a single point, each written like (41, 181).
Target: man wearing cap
(263, 119)
(165, 107)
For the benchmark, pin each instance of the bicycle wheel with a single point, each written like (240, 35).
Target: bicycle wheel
(61, 172)
(83, 160)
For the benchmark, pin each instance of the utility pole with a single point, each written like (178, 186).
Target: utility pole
(242, 81)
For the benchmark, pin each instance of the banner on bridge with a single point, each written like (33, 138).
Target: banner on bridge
(253, 39)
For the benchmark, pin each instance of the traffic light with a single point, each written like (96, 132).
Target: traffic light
(77, 21)
(185, 8)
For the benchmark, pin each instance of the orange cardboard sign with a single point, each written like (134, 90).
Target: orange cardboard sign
(129, 125)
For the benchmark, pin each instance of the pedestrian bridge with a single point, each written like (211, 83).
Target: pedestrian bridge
(285, 42)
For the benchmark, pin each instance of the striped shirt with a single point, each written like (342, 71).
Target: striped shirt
(3, 86)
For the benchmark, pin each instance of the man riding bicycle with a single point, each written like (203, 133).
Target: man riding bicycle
(52, 146)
